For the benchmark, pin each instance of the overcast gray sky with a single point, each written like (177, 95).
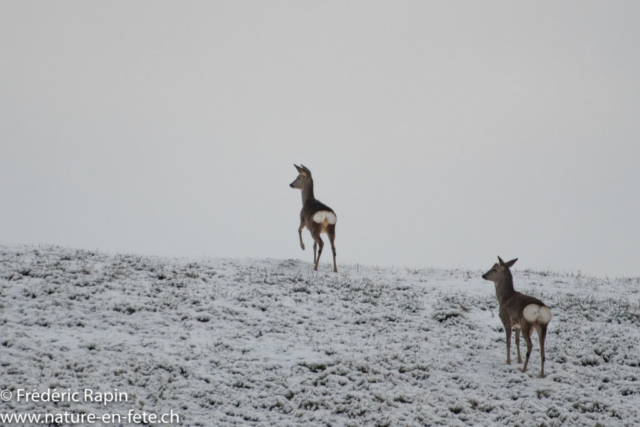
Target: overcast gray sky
(441, 133)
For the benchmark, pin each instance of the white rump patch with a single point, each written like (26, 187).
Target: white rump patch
(321, 216)
(545, 315)
(531, 312)
(537, 314)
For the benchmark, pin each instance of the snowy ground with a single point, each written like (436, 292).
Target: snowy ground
(270, 342)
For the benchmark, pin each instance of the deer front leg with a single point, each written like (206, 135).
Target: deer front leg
(518, 344)
(507, 330)
(300, 234)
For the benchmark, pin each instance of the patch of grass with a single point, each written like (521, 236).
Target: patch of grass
(402, 399)
(590, 361)
(543, 393)
(595, 407)
(456, 409)
(314, 367)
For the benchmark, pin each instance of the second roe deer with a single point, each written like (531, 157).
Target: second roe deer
(519, 311)
(315, 215)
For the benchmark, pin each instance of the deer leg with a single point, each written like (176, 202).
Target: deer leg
(542, 334)
(315, 252)
(332, 236)
(300, 234)
(526, 333)
(518, 344)
(320, 243)
(507, 330)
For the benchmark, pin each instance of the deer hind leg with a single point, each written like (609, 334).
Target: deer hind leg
(331, 232)
(320, 243)
(507, 330)
(315, 252)
(518, 344)
(300, 234)
(542, 334)
(526, 333)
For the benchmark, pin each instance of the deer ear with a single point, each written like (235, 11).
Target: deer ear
(298, 168)
(500, 261)
(510, 263)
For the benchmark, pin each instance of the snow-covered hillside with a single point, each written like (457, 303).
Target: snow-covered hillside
(270, 342)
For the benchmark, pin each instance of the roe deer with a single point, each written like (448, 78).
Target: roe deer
(316, 216)
(518, 311)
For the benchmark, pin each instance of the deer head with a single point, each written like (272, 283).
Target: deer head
(498, 271)
(303, 179)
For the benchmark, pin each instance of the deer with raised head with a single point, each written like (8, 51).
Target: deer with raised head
(519, 311)
(315, 215)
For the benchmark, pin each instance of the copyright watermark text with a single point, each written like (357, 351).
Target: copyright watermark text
(55, 395)
(70, 417)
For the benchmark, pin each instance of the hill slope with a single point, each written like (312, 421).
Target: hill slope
(270, 342)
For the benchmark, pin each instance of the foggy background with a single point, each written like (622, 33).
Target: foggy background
(441, 133)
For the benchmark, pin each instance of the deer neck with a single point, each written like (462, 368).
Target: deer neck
(504, 287)
(307, 193)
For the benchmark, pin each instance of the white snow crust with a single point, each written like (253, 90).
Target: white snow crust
(263, 342)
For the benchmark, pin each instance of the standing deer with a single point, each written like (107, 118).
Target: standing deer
(518, 311)
(315, 215)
